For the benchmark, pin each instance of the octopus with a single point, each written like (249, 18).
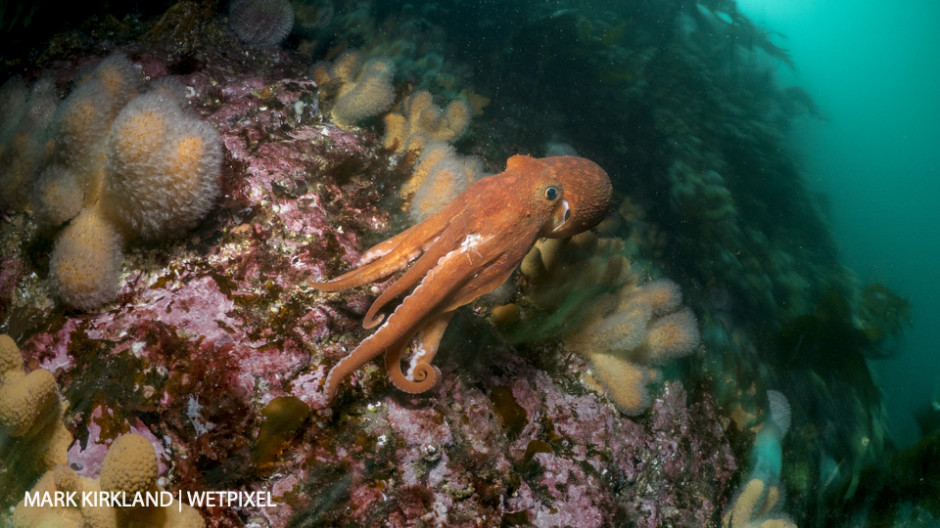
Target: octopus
(466, 250)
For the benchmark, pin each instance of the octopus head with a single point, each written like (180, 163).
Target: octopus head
(587, 194)
(550, 198)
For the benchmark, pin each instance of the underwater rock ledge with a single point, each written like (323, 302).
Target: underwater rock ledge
(210, 329)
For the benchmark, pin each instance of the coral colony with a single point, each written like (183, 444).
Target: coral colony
(177, 191)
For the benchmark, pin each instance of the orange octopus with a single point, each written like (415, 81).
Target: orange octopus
(467, 249)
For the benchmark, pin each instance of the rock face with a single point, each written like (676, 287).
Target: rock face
(508, 445)
(209, 329)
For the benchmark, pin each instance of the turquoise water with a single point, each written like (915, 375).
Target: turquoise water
(783, 182)
(873, 70)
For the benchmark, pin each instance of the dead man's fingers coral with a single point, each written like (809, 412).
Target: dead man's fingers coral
(130, 466)
(25, 114)
(420, 121)
(84, 118)
(117, 77)
(18, 163)
(24, 399)
(57, 196)
(453, 122)
(163, 168)
(662, 296)
(10, 358)
(672, 336)
(626, 382)
(369, 94)
(30, 411)
(620, 332)
(447, 179)
(261, 23)
(85, 266)
(431, 154)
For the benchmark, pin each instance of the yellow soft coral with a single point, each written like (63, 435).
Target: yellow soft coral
(46, 516)
(30, 411)
(624, 381)
(365, 87)
(116, 76)
(603, 311)
(10, 359)
(752, 507)
(116, 163)
(439, 176)
(185, 158)
(24, 399)
(85, 266)
(57, 196)
(431, 155)
(671, 336)
(25, 113)
(162, 169)
(83, 120)
(157, 176)
(420, 120)
(130, 467)
(18, 162)
(636, 336)
(137, 135)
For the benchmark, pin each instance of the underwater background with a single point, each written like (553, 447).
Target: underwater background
(875, 160)
(742, 337)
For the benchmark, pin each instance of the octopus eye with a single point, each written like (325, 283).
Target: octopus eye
(552, 193)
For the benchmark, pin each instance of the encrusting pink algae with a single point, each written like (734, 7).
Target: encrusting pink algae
(221, 327)
(205, 340)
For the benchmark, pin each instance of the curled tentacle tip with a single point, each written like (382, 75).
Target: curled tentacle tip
(373, 322)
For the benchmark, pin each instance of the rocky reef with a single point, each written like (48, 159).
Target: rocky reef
(210, 346)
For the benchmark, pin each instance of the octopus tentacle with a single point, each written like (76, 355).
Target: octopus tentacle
(455, 270)
(493, 276)
(371, 272)
(442, 246)
(368, 349)
(377, 267)
(464, 251)
(389, 256)
(421, 374)
(416, 236)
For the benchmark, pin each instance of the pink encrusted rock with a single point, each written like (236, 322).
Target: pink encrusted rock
(576, 496)
(508, 444)
(196, 306)
(221, 318)
(86, 460)
(211, 328)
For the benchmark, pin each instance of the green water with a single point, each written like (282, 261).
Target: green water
(872, 68)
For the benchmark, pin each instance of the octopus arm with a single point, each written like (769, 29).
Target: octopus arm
(421, 375)
(429, 259)
(393, 254)
(460, 276)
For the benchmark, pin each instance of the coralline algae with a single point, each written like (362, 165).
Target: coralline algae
(208, 330)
